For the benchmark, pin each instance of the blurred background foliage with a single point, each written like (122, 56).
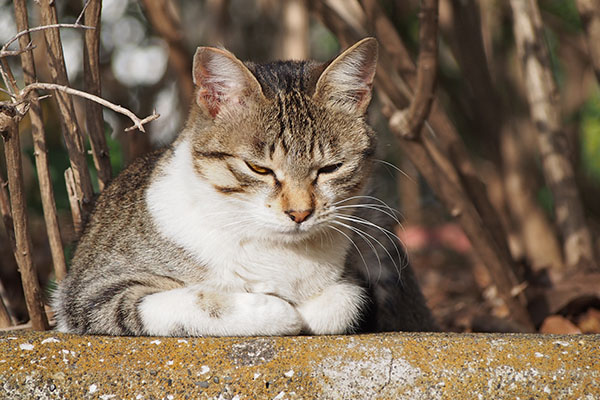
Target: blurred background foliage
(136, 74)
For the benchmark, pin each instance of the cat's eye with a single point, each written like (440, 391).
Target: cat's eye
(329, 168)
(258, 169)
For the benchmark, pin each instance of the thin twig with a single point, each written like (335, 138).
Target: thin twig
(12, 53)
(78, 20)
(144, 121)
(137, 122)
(12, 95)
(40, 28)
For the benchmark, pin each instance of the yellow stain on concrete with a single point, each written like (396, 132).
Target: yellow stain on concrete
(50, 365)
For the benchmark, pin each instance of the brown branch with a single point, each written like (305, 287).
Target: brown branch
(40, 151)
(542, 94)
(5, 320)
(71, 131)
(91, 77)
(23, 254)
(73, 201)
(137, 122)
(589, 11)
(427, 159)
(5, 210)
(409, 122)
(164, 18)
(395, 59)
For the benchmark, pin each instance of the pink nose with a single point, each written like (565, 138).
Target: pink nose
(299, 216)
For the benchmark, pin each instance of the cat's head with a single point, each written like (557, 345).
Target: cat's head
(283, 143)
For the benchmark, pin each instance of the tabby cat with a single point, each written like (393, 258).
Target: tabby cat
(257, 220)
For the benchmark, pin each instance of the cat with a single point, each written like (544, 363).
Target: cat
(256, 220)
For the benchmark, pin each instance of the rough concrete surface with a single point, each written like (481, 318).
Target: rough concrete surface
(50, 365)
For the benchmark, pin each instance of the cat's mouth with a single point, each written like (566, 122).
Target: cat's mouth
(300, 231)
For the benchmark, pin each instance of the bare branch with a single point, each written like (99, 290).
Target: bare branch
(144, 121)
(12, 95)
(589, 10)
(137, 122)
(24, 248)
(40, 28)
(73, 201)
(85, 6)
(40, 151)
(542, 95)
(92, 84)
(410, 121)
(12, 53)
(5, 320)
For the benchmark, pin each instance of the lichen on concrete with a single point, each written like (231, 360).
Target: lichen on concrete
(50, 365)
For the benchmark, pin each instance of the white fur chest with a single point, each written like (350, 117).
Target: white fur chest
(221, 235)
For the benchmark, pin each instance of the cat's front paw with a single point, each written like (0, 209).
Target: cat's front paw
(336, 310)
(263, 314)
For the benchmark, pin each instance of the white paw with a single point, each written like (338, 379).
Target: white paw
(335, 311)
(262, 314)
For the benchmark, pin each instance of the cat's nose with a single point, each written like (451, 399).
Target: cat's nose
(299, 216)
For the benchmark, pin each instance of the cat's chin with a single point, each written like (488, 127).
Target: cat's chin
(297, 234)
(294, 235)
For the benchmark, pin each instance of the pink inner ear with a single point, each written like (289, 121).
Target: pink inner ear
(210, 98)
(208, 95)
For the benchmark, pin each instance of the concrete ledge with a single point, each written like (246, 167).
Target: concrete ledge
(50, 365)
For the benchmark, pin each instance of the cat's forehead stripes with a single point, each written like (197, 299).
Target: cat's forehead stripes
(290, 84)
(296, 133)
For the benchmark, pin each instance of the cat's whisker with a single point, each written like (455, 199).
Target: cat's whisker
(238, 222)
(390, 236)
(386, 251)
(357, 250)
(375, 207)
(389, 164)
(362, 234)
(381, 202)
(363, 221)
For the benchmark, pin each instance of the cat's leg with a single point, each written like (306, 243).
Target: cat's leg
(335, 310)
(195, 311)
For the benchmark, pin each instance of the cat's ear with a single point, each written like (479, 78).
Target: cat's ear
(347, 81)
(222, 81)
